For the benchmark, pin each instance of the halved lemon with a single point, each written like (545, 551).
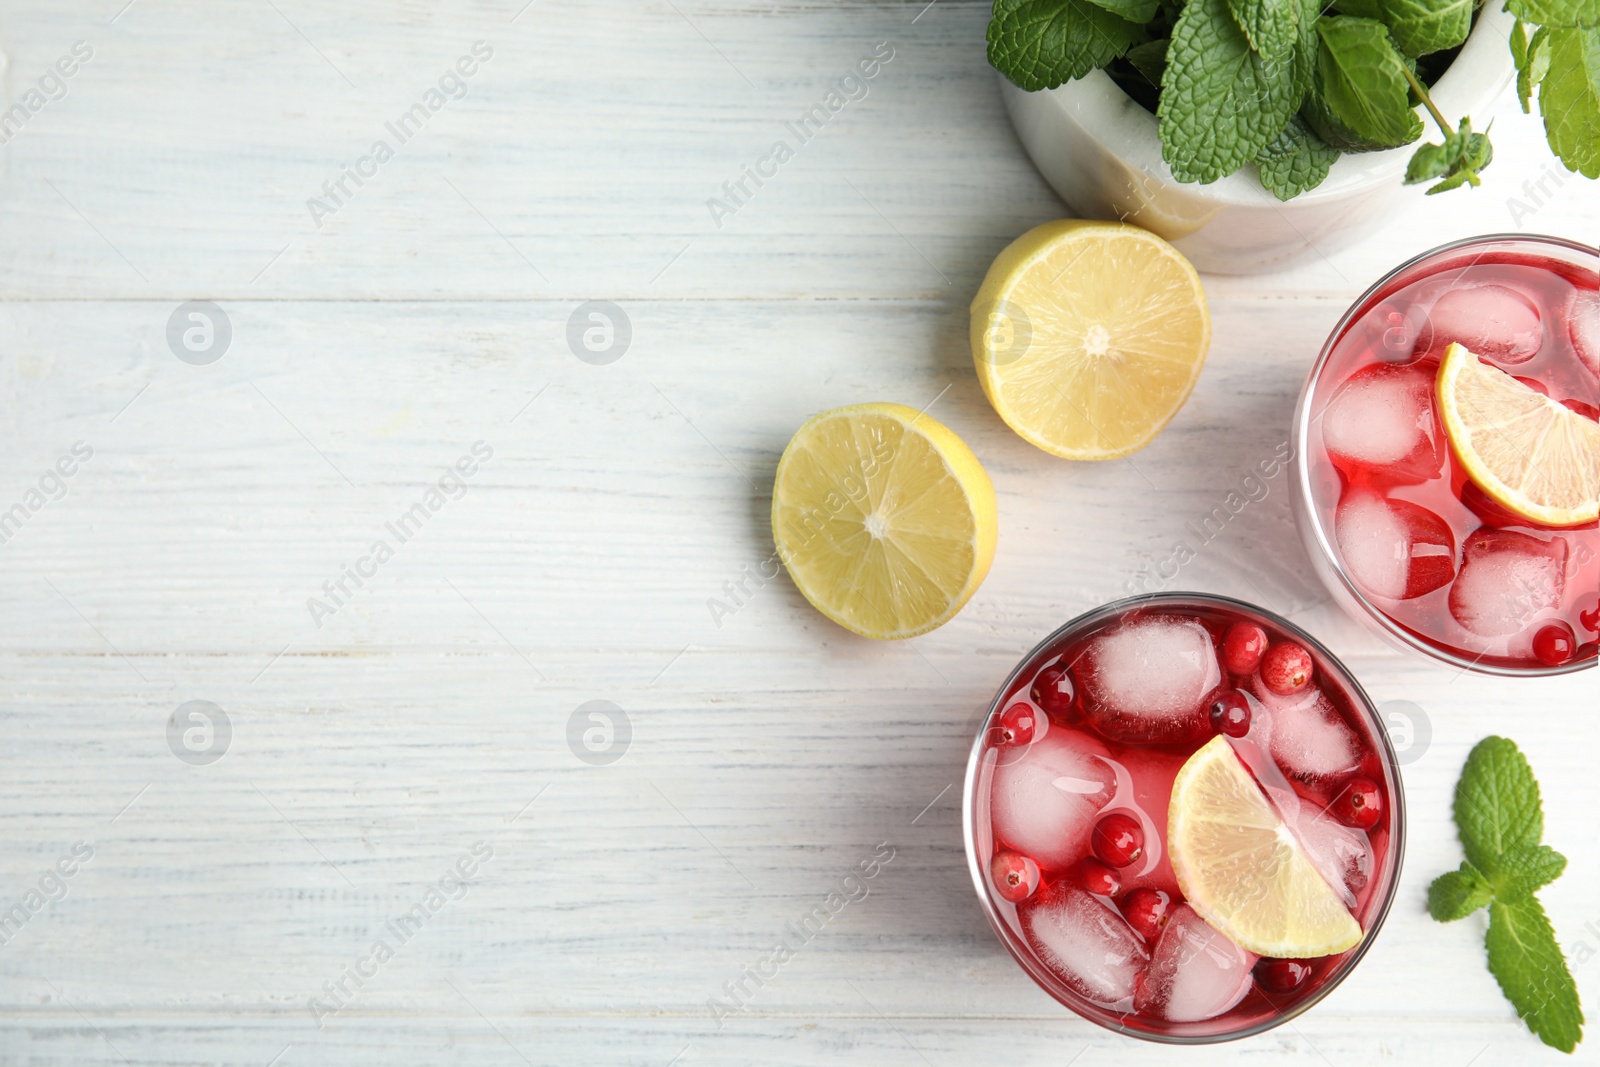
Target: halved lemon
(1089, 336)
(1242, 869)
(1534, 456)
(884, 518)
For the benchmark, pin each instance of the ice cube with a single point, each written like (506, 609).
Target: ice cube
(1584, 322)
(1494, 321)
(1382, 417)
(1393, 548)
(1087, 944)
(1145, 681)
(1195, 972)
(1507, 580)
(1045, 803)
(1309, 739)
(1341, 854)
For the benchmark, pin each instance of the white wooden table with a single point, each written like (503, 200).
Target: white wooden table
(770, 751)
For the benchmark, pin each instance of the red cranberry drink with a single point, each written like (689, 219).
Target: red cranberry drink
(1183, 818)
(1450, 459)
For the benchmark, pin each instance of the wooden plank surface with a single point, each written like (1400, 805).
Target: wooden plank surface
(770, 752)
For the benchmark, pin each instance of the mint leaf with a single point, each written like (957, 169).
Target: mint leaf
(1363, 83)
(1569, 99)
(1150, 59)
(1423, 26)
(1458, 160)
(1296, 161)
(1429, 161)
(1307, 51)
(1525, 959)
(1499, 819)
(1039, 44)
(1457, 894)
(1533, 62)
(1556, 13)
(1522, 871)
(1221, 102)
(1497, 807)
(1367, 9)
(1140, 11)
(1326, 125)
(1271, 26)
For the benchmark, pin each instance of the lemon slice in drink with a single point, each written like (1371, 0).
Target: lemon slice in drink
(885, 519)
(1534, 456)
(1089, 336)
(1241, 868)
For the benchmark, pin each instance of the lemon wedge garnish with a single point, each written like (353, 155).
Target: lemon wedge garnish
(1532, 455)
(1243, 870)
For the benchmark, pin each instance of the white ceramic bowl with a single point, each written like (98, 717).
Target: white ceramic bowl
(1098, 149)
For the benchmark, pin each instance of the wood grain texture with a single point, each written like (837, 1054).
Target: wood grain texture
(771, 751)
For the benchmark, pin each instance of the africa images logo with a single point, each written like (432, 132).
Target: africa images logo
(452, 85)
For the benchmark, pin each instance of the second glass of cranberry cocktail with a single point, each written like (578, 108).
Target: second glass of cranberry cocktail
(1449, 456)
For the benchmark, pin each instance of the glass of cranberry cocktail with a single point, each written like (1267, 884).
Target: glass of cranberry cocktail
(1448, 456)
(1183, 818)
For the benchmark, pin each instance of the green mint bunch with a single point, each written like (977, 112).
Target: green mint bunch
(1288, 85)
(1500, 819)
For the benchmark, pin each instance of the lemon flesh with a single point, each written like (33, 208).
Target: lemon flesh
(1242, 869)
(884, 518)
(1089, 336)
(1534, 456)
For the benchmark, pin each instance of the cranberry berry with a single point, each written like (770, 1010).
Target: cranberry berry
(1015, 875)
(1097, 878)
(1360, 804)
(1118, 839)
(1017, 724)
(1242, 648)
(1554, 644)
(1147, 911)
(1281, 976)
(1286, 668)
(1590, 617)
(1053, 690)
(1230, 714)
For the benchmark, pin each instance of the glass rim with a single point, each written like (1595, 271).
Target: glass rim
(1307, 505)
(1387, 758)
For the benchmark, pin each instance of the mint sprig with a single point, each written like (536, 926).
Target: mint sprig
(1457, 161)
(1500, 819)
(1235, 74)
